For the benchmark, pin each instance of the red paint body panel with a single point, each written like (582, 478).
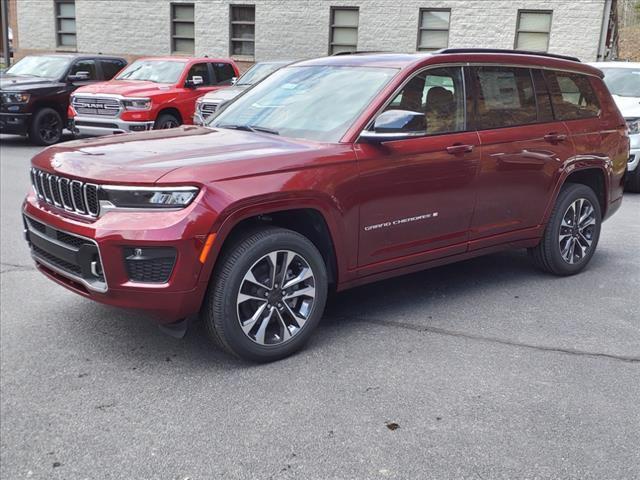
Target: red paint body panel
(498, 195)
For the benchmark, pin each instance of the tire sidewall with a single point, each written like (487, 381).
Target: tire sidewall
(162, 119)
(225, 295)
(566, 198)
(34, 133)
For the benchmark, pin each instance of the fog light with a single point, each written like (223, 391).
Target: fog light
(137, 128)
(149, 264)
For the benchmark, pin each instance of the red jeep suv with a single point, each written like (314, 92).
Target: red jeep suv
(333, 172)
(151, 93)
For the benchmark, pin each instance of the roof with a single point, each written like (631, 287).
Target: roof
(74, 55)
(187, 59)
(634, 65)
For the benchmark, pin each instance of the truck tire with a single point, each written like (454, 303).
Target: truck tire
(166, 120)
(572, 234)
(267, 295)
(46, 127)
(633, 181)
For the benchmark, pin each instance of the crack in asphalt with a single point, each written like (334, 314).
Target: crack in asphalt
(15, 267)
(501, 341)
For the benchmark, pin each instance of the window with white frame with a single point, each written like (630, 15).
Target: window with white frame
(344, 29)
(66, 23)
(182, 28)
(243, 30)
(433, 31)
(532, 32)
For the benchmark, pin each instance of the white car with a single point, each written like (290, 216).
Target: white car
(623, 80)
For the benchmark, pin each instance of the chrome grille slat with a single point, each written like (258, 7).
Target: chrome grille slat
(72, 195)
(99, 106)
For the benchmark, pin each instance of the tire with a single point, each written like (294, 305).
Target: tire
(290, 320)
(166, 120)
(46, 127)
(633, 181)
(553, 254)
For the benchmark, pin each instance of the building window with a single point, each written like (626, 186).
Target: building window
(533, 30)
(344, 30)
(243, 30)
(433, 32)
(182, 28)
(66, 23)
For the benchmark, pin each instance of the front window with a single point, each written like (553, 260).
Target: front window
(158, 71)
(624, 82)
(257, 73)
(315, 103)
(41, 66)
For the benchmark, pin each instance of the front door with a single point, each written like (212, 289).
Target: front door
(192, 93)
(417, 198)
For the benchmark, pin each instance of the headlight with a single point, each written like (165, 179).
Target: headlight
(15, 97)
(137, 103)
(147, 197)
(634, 126)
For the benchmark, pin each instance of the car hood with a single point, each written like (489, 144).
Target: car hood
(126, 88)
(142, 158)
(224, 94)
(19, 83)
(628, 106)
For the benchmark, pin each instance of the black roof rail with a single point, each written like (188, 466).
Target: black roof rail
(501, 50)
(357, 52)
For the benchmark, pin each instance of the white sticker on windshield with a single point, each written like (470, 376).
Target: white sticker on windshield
(289, 86)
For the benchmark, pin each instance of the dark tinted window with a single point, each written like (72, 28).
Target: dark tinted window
(111, 67)
(88, 66)
(545, 112)
(572, 96)
(505, 97)
(200, 70)
(439, 94)
(224, 72)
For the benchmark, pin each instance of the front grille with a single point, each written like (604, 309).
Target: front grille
(72, 195)
(207, 109)
(57, 262)
(102, 107)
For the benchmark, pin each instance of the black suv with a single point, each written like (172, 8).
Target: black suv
(35, 91)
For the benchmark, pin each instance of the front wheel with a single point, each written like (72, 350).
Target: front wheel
(166, 120)
(267, 295)
(572, 233)
(46, 127)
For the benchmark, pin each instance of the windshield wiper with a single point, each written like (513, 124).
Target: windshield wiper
(251, 128)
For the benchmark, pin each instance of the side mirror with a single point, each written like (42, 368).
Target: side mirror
(396, 125)
(194, 81)
(234, 80)
(79, 76)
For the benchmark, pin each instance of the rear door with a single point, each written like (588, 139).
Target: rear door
(522, 149)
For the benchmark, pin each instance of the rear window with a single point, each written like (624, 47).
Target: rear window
(505, 97)
(111, 67)
(572, 96)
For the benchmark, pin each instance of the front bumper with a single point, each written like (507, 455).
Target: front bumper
(94, 126)
(89, 257)
(15, 123)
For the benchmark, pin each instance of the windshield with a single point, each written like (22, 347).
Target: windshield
(159, 71)
(258, 72)
(41, 66)
(315, 103)
(624, 82)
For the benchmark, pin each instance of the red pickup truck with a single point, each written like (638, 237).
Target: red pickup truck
(151, 93)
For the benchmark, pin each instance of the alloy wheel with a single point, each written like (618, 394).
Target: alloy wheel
(49, 128)
(276, 297)
(577, 231)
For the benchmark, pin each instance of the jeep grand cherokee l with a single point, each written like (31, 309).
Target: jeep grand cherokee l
(334, 172)
(35, 92)
(151, 93)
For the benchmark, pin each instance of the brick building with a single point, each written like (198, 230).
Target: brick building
(254, 30)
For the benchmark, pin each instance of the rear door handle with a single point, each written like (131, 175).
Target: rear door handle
(555, 137)
(459, 149)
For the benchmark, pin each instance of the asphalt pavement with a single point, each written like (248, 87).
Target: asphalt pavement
(486, 369)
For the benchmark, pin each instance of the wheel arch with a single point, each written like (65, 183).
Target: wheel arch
(173, 111)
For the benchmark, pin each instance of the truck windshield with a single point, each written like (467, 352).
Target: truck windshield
(624, 82)
(46, 66)
(315, 103)
(258, 72)
(158, 71)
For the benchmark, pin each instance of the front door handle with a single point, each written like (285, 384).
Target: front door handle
(459, 149)
(555, 137)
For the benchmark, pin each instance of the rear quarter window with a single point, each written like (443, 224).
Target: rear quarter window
(572, 96)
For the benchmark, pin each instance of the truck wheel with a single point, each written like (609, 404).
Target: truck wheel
(633, 181)
(267, 295)
(166, 120)
(46, 127)
(572, 233)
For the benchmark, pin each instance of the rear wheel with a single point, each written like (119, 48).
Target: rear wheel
(166, 120)
(572, 233)
(633, 181)
(267, 295)
(46, 127)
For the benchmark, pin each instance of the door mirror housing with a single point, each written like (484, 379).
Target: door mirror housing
(396, 125)
(194, 81)
(79, 76)
(234, 80)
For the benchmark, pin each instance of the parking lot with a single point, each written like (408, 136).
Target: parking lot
(482, 369)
